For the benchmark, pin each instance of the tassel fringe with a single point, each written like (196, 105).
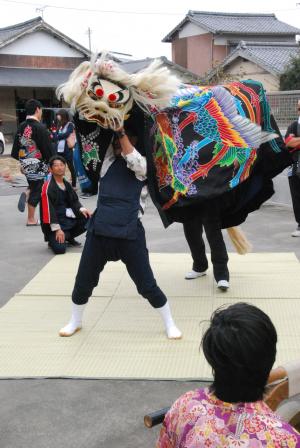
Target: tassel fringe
(239, 240)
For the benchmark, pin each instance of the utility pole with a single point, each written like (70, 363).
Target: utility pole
(89, 32)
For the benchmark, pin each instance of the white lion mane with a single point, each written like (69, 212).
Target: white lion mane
(150, 88)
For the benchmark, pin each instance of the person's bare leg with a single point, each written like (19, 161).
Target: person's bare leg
(31, 219)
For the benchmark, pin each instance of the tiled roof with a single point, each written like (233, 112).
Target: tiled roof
(11, 33)
(272, 56)
(15, 30)
(30, 77)
(134, 66)
(235, 23)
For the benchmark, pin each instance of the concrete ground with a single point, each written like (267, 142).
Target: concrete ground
(65, 413)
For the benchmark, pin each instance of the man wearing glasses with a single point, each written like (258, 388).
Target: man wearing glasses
(292, 141)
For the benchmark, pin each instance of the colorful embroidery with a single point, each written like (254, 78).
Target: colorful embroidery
(209, 138)
(30, 157)
(90, 150)
(28, 147)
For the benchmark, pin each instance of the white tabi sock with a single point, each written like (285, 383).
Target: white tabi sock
(75, 323)
(172, 331)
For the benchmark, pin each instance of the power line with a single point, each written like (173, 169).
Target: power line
(40, 6)
(107, 11)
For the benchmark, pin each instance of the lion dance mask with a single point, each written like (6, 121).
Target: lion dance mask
(102, 92)
(201, 142)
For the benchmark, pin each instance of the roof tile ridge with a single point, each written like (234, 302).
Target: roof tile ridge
(22, 24)
(237, 14)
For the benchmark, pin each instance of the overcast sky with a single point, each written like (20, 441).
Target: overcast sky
(136, 27)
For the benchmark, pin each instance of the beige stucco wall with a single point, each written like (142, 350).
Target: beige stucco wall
(248, 70)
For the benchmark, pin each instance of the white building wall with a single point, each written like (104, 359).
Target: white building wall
(220, 40)
(40, 43)
(190, 29)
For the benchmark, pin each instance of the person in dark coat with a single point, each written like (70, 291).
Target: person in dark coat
(32, 147)
(292, 140)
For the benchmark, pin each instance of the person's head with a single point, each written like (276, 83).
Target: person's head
(57, 166)
(298, 106)
(62, 117)
(34, 107)
(240, 346)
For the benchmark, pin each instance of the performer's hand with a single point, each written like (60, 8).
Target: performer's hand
(60, 236)
(126, 142)
(86, 213)
(292, 150)
(292, 143)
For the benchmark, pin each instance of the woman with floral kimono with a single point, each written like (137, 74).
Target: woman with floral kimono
(240, 346)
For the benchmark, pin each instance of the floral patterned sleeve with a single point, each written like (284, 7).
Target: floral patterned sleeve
(164, 440)
(168, 437)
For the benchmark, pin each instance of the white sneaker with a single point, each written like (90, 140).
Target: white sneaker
(194, 274)
(296, 233)
(223, 285)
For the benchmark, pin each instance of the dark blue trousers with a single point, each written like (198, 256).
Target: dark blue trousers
(60, 248)
(193, 230)
(98, 250)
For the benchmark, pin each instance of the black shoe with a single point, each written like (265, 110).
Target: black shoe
(86, 195)
(22, 202)
(74, 243)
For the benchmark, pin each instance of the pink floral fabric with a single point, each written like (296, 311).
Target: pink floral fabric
(199, 419)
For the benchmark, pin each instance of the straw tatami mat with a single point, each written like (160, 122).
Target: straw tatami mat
(123, 336)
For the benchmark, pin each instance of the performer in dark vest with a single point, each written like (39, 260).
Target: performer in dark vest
(115, 232)
(62, 215)
(201, 143)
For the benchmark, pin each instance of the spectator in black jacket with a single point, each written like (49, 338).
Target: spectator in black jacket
(62, 215)
(292, 140)
(33, 148)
